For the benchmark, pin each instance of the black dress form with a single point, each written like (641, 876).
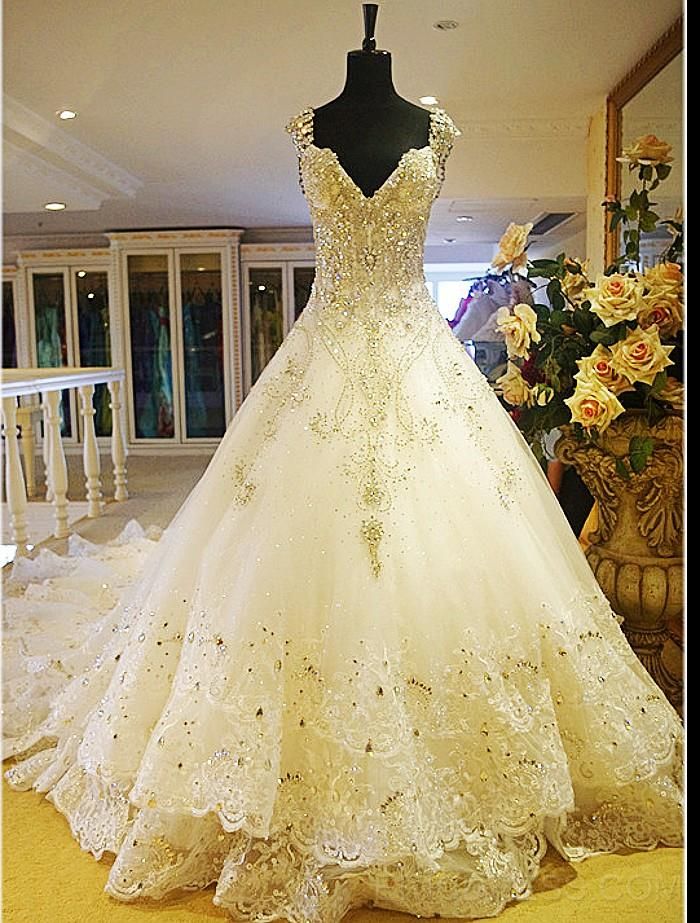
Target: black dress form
(369, 126)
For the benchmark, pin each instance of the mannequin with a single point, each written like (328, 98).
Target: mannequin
(369, 126)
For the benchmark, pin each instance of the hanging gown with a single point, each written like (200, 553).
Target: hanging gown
(367, 662)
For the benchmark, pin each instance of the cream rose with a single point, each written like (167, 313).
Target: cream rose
(599, 364)
(575, 284)
(593, 405)
(511, 248)
(664, 277)
(663, 309)
(518, 328)
(616, 298)
(647, 150)
(641, 355)
(513, 387)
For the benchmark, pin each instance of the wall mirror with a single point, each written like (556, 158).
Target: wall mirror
(648, 100)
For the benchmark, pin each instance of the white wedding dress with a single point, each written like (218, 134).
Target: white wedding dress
(367, 662)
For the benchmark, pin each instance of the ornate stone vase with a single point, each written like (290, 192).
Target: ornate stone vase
(636, 552)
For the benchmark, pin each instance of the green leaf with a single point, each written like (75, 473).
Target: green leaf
(648, 220)
(640, 450)
(559, 317)
(659, 383)
(605, 335)
(663, 170)
(646, 172)
(584, 321)
(616, 218)
(622, 469)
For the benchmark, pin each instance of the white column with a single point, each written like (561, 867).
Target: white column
(91, 455)
(58, 475)
(118, 443)
(14, 479)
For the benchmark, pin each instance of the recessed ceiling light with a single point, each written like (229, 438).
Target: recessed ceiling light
(465, 217)
(55, 206)
(429, 100)
(450, 240)
(66, 114)
(82, 274)
(446, 25)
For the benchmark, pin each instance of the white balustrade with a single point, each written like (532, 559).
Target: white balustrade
(50, 384)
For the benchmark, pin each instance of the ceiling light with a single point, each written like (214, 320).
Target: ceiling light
(429, 100)
(66, 114)
(91, 294)
(201, 269)
(465, 217)
(262, 288)
(55, 206)
(445, 25)
(82, 274)
(450, 240)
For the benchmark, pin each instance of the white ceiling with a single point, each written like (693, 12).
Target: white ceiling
(182, 104)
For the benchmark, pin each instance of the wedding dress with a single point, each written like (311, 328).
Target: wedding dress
(366, 663)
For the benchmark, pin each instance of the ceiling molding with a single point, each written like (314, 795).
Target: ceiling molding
(45, 136)
(33, 165)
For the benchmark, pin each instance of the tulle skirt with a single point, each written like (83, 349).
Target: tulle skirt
(366, 663)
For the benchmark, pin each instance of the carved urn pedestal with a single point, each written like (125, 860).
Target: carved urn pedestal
(636, 552)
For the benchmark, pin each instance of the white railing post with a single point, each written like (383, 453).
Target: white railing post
(58, 474)
(91, 455)
(14, 479)
(118, 443)
(46, 450)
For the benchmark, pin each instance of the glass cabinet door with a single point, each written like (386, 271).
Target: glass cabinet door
(50, 334)
(266, 319)
(151, 356)
(92, 305)
(303, 278)
(202, 344)
(9, 335)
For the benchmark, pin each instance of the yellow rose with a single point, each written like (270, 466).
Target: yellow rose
(616, 298)
(513, 387)
(664, 310)
(674, 394)
(511, 248)
(665, 277)
(647, 150)
(542, 394)
(599, 365)
(641, 355)
(518, 328)
(593, 405)
(574, 284)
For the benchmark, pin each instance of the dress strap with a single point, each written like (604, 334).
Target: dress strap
(301, 128)
(443, 131)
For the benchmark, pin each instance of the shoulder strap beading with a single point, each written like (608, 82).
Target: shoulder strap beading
(301, 128)
(443, 131)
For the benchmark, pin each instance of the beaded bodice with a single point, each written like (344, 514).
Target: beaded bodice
(376, 240)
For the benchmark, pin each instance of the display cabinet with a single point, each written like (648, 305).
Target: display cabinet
(65, 295)
(180, 336)
(276, 284)
(9, 317)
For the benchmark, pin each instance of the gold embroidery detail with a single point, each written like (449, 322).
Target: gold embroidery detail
(373, 533)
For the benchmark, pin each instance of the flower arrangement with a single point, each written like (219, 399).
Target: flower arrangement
(602, 346)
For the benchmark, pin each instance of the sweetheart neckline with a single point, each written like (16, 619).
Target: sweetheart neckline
(351, 181)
